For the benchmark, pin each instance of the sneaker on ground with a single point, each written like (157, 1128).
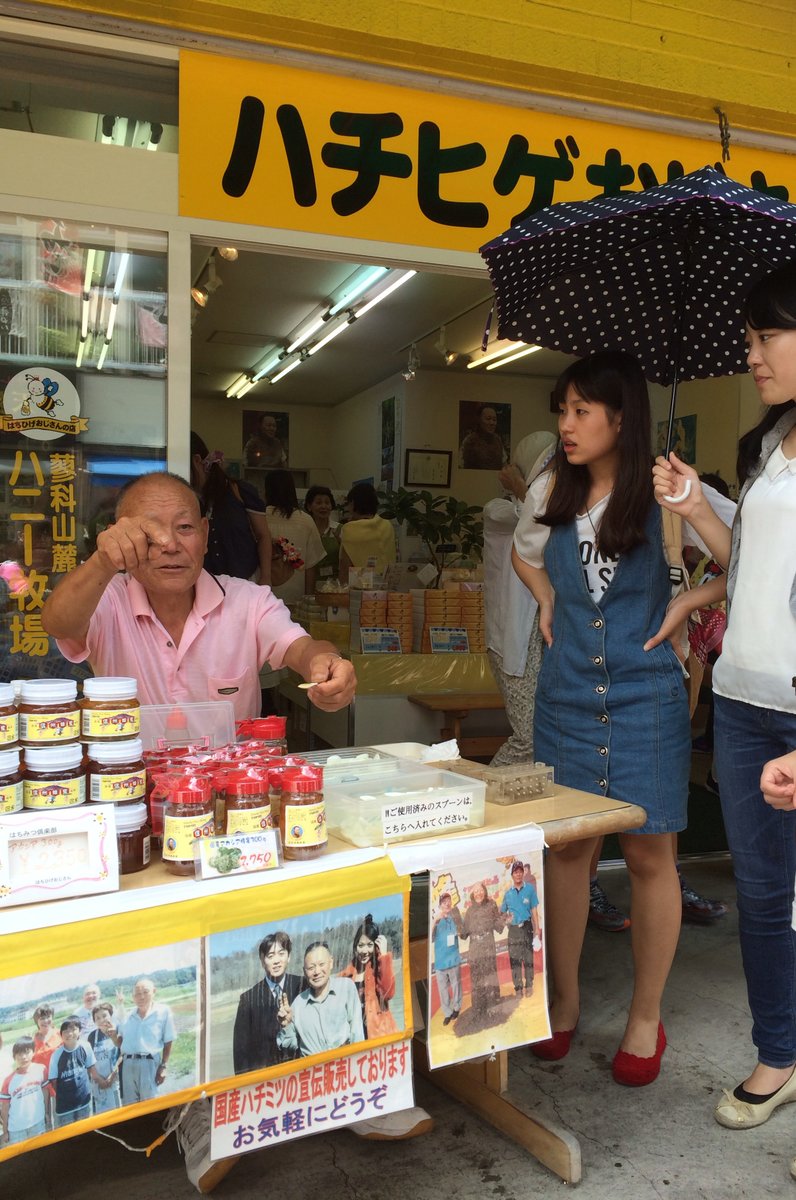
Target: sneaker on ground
(191, 1125)
(602, 913)
(395, 1127)
(699, 909)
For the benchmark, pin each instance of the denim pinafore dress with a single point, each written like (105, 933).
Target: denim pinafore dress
(611, 718)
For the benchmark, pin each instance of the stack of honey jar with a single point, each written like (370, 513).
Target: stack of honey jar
(59, 751)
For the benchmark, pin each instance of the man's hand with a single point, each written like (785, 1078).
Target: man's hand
(778, 781)
(160, 1074)
(334, 679)
(284, 1013)
(130, 543)
(511, 478)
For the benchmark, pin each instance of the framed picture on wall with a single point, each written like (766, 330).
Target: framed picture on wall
(266, 437)
(484, 435)
(428, 468)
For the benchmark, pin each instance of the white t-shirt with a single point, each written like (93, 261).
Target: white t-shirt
(299, 529)
(530, 538)
(509, 607)
(758, 659)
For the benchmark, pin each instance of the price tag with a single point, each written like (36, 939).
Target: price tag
(380, 641)
(237, 854)
(448, 641)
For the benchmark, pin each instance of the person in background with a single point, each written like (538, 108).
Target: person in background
(84, 1014)
(755, 704)
(286, 520)
(482, 921)
(264, 449)
(447, 957)
(23, 1096)
(319, 503)
(371, 970)
(513, 641)
(520, 905)
(143, 606)
(106, 1094)
(482, 448)
(46, 1038)
(145, 1040)
(71, 1072)
(239, 540)
(254, 1037)
(366, 538)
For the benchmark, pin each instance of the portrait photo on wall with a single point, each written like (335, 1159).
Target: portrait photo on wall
(266, 437)
(684, 433)
(487, 988)
(105, 1034)
(291, 989)
(484, 435)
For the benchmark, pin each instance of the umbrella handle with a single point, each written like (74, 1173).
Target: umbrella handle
(680, 499)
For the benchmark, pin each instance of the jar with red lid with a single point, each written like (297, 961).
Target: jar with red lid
(248, 808)
(267, 733)
(188, 816)
(302, 817)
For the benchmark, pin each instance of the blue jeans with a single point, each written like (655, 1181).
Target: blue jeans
(763, 844)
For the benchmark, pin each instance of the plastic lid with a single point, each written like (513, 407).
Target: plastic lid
(50, 758)
(115, 752)
(48, 691)
(245, 785)
(302, 780)
(9, 762)
(130, 817)
(190, 791)
(262, 727)
(111, 687)
(8, 693)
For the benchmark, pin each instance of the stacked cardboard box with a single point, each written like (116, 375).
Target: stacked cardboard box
(453, 608)
(399, 616)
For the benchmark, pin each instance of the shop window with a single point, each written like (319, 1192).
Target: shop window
(83, 387)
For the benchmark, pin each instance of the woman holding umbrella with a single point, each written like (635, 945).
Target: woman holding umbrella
(753, 686)
(611, 714)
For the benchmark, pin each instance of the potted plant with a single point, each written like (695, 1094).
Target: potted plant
(450, 529)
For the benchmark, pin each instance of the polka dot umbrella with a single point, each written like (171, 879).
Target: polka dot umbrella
(661, 274)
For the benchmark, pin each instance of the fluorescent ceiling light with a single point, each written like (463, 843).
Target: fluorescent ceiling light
(90, 256)
(247, 387)
(101, 359)
(112, 320)
(331, 334)
(80, 352)
(234, 390)
(285, 370)
(402, 279)
(269, 365)
(360, 284)
(498, 349)
(307, 332)
(121, 271)
(513, 357)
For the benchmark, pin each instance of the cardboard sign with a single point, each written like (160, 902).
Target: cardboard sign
(53, 855)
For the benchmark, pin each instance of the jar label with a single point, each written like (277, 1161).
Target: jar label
(9, 729)
(49, 727)
(147, 851)
(305, 824)
(54, 793)
(118, 789)
(248, 820)
(110, 723)
(180, 834)
(11, 797)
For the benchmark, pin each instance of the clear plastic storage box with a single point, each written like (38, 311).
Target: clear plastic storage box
(410, 801)
(353, 764)
(511, 785)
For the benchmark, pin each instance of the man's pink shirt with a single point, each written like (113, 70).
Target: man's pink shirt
(228, 636)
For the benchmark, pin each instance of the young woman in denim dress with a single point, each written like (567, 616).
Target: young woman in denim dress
(611, 713)
(755, 702)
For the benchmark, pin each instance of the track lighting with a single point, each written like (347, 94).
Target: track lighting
(412, 365)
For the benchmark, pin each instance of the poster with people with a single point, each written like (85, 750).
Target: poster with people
(79, 1041)
(298, 988)
(484, 435)
(266, 437)
(487, 987)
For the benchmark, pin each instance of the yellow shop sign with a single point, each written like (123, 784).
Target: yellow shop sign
(289, 149)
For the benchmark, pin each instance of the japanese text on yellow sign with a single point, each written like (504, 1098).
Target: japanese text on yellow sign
(289, 149)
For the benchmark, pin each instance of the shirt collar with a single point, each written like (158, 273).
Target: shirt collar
(777, 463)
(208, 594)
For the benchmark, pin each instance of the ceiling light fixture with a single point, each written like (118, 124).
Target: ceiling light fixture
(494, 350)
(202, 291)
(388, 291)
(234, 389)
(355, 286)
(412, 365)
(286, 370)
(155, 134)
(513, 357)
(230, 253)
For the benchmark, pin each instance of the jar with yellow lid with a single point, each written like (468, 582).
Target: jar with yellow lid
(48, 712)
(110, 709)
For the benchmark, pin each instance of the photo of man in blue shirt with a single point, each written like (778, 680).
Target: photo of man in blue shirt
(521, 904)
(447, 958)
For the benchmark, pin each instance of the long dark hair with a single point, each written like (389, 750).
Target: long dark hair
(370, 930)
(280, 492)
(771, 304)
(613, 378)
(217, 485)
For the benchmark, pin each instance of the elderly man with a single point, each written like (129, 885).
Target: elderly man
(145, 1040)
(327, 1014)
(142, 605)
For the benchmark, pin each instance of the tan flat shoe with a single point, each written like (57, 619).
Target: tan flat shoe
(733, 1113)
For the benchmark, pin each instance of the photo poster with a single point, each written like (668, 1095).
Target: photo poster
(264, 982)
(487, 985)
(484, 435)
(266, 438)
(684, 432)
(388, 443)
(91, 1081)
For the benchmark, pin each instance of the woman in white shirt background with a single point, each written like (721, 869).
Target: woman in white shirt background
(287, 520)
(755, 703)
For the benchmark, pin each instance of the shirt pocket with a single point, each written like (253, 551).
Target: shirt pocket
(235, 688)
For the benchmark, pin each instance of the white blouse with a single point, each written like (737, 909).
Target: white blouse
(758, 659)
(530, 538)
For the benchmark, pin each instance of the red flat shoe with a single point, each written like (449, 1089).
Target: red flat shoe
(555, 1047)
(633, 1071)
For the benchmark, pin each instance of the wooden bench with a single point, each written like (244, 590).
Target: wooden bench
(455, 706)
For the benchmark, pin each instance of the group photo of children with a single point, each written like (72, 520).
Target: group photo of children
(82, 1040)
(303, 986)
(487, 987)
